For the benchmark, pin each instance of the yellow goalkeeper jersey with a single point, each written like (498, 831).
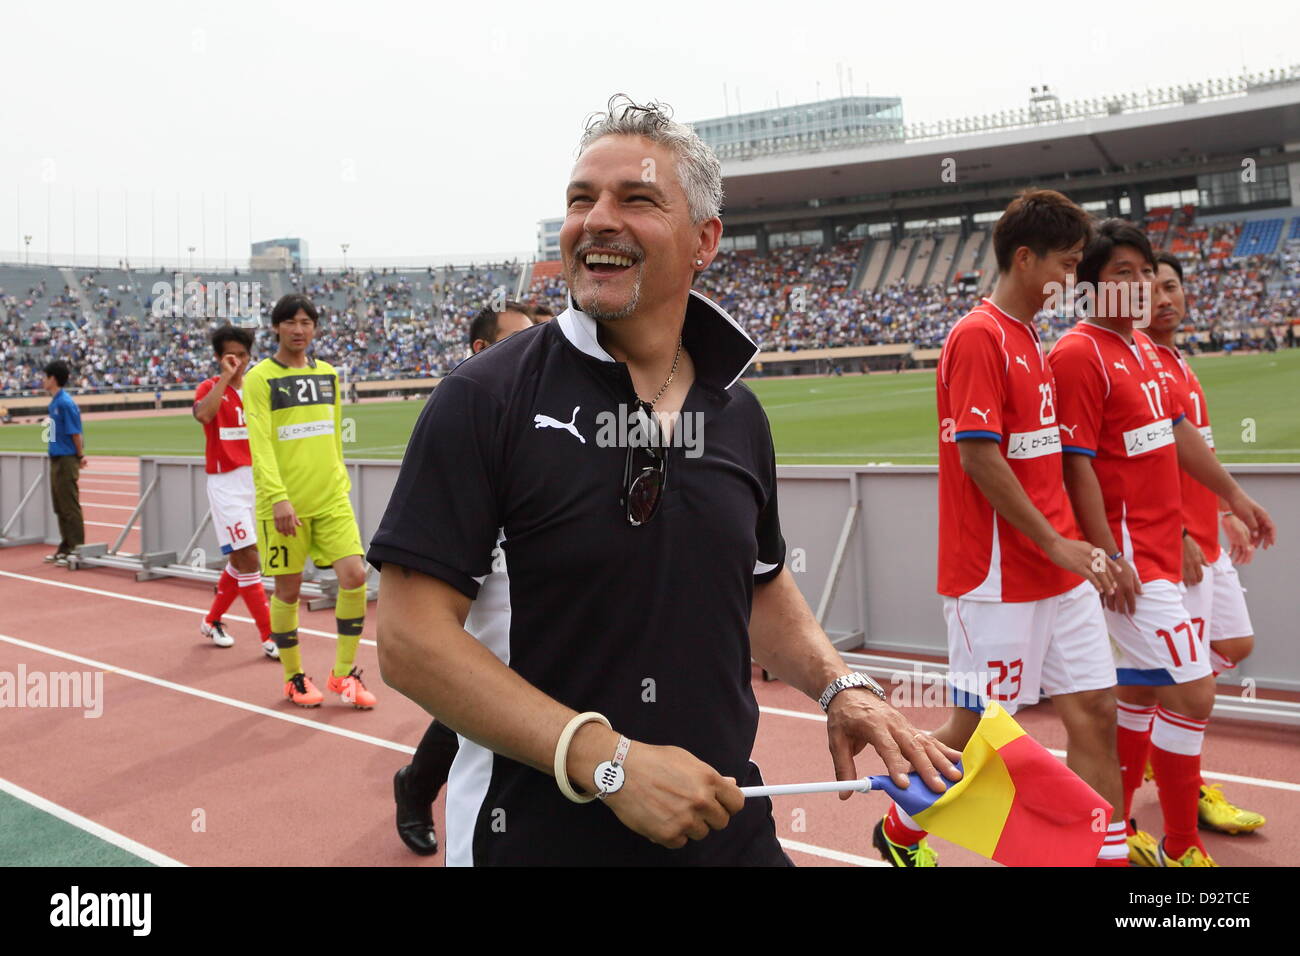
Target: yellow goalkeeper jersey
(295, 433)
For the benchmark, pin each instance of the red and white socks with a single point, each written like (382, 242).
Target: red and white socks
(900, 829)
(233, 584)
(1176, 742)
(1133, 741)
(1114, 849)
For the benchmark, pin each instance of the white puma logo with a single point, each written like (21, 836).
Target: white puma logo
(1069, 428)
(983, 415)
(1021, 360)
(546, 421)
(1120, 365)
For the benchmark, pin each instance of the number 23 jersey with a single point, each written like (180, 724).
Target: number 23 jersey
(295, 432)
(994, 384)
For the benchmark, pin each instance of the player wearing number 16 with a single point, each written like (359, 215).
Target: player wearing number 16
(218, 408)
(295, 431)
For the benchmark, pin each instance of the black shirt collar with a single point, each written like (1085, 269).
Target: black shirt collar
(311, 362)
(719, 347)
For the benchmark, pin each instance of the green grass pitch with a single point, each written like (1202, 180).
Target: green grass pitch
(852, 419)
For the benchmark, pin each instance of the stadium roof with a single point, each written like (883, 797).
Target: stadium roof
(1135, 146)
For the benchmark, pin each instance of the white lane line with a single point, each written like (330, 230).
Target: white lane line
(836, 855)
(101, 491)
(209, 696)
(774, 711)
(1228, 777)
(340, 731)
(113, 481)
(90, 826)
(109, 524)
(166, 604)
(100, 504)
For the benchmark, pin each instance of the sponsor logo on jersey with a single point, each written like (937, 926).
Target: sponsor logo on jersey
(1036, 444)
(305, 429)
(1147, 438)
(232, 434)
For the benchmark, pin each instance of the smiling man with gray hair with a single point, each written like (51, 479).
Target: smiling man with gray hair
(583, 611)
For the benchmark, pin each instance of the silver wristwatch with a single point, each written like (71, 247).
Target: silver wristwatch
(845, 682)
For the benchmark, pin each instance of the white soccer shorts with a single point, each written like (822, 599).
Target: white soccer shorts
(1162, 642)
(1014, 652)
(232, 498)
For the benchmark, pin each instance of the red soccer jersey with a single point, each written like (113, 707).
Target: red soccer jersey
(1116, 407)
(994, 382)
(227, 434)
(1200, 504)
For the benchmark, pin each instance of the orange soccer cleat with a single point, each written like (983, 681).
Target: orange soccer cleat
(350, 688)
(302, 691)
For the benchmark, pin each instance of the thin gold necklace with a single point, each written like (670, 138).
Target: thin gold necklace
(668, 381)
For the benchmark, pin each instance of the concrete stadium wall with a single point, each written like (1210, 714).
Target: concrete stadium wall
(888, 577)
(885, 591)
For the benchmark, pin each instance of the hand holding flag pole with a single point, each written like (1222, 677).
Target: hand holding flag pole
(830, 786)
(1015, 804)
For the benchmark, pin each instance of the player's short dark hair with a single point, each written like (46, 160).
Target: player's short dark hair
(1172, 261)
(1041, 219)
(1110, 235)
(484, 324)
(539, 311)
(289, 305)
(59, 369)
(231, 333)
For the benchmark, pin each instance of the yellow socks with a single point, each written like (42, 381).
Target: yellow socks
(350, 615)
(284, 631)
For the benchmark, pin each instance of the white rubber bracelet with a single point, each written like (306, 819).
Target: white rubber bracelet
(562, 754)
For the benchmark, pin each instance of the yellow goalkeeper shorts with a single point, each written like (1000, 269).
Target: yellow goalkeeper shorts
(325, 537)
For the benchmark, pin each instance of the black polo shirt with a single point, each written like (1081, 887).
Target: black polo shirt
(647, 625)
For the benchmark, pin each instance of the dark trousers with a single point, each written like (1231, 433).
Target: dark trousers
(432, 762)
(64, 495)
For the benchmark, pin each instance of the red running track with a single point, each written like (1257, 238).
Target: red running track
(198, 728)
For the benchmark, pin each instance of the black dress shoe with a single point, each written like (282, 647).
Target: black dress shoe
(414, 820)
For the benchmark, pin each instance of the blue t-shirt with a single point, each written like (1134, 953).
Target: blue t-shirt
(65, 421)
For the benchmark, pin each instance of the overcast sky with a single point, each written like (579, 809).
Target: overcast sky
(449, 129)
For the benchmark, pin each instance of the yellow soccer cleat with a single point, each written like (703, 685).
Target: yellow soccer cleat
(896, 854)
(1192, 856)
(1142, 849)
(1148, 774)
(1216, 813)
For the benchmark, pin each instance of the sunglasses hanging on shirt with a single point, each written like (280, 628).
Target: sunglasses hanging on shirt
(645, 470)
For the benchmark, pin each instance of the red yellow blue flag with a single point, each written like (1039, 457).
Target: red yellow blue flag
(1015, 803)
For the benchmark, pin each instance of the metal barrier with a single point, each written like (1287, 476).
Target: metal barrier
(26, 516)
(177, 539)
(860, 543)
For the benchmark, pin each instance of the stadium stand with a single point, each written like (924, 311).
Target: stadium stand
(1258, 238)
(405, 324)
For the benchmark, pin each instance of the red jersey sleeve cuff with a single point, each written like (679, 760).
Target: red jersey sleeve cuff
(996, 436)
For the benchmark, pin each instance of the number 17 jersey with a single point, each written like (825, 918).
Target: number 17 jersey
(1117, 408)
(295, 432)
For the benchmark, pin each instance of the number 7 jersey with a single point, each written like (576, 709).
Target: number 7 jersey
(1116, 407)
(295, 432)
